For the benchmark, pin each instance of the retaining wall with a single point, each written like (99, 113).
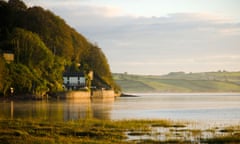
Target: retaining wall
(103, 94)
(75, 95)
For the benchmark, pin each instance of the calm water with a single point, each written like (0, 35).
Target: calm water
(210, 108)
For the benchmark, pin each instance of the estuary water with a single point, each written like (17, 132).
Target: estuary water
(211, 108)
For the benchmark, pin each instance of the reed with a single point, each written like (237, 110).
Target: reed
(96, 131)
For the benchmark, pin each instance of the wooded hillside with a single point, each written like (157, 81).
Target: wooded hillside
(43, 45)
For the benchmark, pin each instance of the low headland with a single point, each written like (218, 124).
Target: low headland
(128, 95)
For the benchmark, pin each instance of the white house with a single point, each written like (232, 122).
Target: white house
(74, 80)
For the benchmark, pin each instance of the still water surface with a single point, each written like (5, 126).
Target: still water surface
(211, 108)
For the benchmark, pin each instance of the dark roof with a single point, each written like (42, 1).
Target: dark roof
(81, 74)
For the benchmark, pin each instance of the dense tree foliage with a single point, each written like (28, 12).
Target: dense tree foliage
(97, 62)
(2, 74)
(43, 44)
(35, 70)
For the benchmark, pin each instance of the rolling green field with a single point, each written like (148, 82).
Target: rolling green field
(180, 82)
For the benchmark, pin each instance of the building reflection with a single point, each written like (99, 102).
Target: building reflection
(60, 110)
(75, 109)
(102, 107)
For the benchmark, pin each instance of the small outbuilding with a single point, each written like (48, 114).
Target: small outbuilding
(8, 56)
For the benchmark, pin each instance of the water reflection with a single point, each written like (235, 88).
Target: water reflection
(102, 107)
(61, 110)
(206, 108)
(77, 109)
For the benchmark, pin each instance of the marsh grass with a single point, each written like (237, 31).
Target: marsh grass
(94, 131)
(223, 140)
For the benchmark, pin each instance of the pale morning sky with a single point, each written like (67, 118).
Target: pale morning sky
(157, 36)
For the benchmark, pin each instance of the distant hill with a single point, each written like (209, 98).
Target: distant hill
(180, 82)
(43, 44)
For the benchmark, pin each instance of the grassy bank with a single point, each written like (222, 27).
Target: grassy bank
(108, 131)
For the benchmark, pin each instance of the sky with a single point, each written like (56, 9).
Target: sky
(154, 37)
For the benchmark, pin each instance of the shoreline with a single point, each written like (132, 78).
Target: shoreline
(135, 93)
(126, 94)
(78, 94)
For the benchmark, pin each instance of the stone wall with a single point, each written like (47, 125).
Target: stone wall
(103, 94)
(98, 94)
(75, 95)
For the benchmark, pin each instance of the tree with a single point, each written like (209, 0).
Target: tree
(44, 43)
(43, 68)
(96, 61)
(2, 74)
(17, 4)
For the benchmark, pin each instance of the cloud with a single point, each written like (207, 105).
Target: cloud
(154, 45)
(173, 42)
(55, 3)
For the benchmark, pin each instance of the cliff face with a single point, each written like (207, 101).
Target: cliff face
(43, 45)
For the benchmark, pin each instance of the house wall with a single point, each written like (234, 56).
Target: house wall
(82, 81)
(74, 80)
(65, 80)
